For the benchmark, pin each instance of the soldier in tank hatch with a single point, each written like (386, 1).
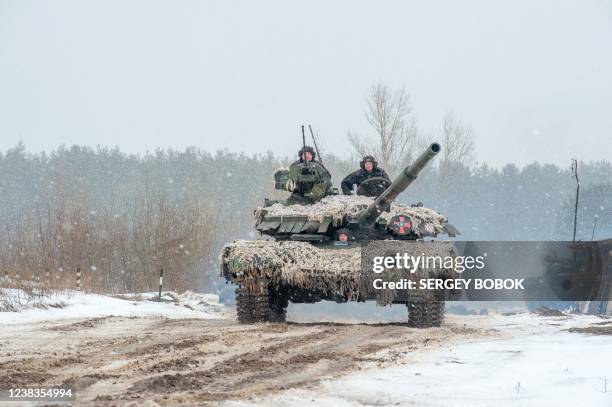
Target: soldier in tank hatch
(309, 180)
(368, 169)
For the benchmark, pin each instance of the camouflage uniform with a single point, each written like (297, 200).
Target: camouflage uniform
(357, 177)
(308, 181)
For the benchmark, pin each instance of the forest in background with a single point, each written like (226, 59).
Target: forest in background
(120, 218)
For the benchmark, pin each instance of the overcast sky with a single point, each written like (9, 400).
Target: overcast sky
(533, 78)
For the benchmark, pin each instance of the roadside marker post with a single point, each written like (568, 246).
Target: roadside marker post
(161, 282)
(78, 279)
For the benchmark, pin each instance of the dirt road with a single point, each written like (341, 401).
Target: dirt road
(118, 361)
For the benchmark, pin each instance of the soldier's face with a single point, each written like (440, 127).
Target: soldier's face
(308, 156)
(343, 237)
(368, 166)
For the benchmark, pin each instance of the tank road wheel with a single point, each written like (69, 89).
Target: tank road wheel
(257, 306)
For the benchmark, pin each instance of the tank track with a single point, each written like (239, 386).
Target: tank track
(252, 306)
(426, 313)
(262, 304)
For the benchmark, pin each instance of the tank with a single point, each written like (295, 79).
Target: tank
(310, 253)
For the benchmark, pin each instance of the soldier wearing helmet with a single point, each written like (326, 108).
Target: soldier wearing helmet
(368, 169)
(343, 235)
(306, 154)
(309, 180)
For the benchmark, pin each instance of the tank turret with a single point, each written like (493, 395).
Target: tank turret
(365, 217)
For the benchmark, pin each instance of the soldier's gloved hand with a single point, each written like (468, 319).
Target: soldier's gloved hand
(318, 191)
(290, 186)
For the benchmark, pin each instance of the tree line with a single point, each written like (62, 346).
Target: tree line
(120, 218)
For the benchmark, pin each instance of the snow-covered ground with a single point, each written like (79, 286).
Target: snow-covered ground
(73, 304)
(530, 359)
(537, 363)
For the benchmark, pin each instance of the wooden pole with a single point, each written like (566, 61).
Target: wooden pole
(161, 281)
(575, 171)
(78, 279)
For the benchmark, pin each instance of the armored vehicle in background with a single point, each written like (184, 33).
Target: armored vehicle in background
(314, 252)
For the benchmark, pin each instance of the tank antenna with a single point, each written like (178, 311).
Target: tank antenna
(303, 145)
(575, 173)
(315, 144)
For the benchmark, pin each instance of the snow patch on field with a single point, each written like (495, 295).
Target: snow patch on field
(538, 363)
(17, 306)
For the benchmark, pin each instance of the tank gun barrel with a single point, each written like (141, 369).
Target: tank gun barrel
(368, 217)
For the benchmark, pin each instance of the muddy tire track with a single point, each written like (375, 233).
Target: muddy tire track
(114, 361)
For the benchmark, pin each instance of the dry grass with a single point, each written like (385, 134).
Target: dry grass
(116, 250)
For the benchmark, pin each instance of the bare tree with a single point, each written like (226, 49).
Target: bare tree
(117, 249)
(390, 114)
(457, 142)
(457, 150)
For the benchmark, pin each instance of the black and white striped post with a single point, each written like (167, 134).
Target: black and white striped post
(78, 279)
(161, 282)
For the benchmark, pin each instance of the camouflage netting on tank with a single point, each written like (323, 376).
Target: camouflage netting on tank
(331, 271)
(425, 220)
